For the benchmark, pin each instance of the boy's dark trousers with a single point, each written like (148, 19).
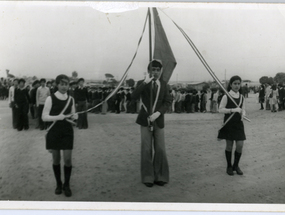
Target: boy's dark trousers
(178, 107)
(14, 117)
(32, 110)
(82, 118)
(22, 114)
(42, 124)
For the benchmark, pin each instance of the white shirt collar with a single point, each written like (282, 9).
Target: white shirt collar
(61, 96)
(234, 94)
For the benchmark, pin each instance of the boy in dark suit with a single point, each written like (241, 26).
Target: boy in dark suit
(81, 98)
(22, 101)
(154, 168)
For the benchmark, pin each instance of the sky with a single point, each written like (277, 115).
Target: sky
(48, 39)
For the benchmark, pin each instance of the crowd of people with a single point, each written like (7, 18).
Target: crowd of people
(5, 84)
(272, 96)
(27, 100)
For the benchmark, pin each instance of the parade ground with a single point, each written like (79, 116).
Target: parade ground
(106, 160)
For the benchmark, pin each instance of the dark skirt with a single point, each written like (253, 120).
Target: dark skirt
(233, 130)
(60, 136)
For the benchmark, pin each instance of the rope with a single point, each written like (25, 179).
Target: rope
(124, 75)
(201, 58)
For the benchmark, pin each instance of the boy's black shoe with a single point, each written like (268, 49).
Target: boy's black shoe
(148, 184)
(58, 189)
(160, 183)
(67, 190)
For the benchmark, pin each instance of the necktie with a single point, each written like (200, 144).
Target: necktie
(154, 88)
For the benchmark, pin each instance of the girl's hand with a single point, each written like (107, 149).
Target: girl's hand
(61, 117)
(74, 116)
(237, 110)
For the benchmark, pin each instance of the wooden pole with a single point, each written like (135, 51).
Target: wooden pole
(150, 57)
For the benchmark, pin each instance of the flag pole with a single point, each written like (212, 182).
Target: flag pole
(150, 59)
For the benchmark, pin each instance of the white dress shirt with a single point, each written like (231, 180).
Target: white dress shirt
(42, 94)
(11, 94)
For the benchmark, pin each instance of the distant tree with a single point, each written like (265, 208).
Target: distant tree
(270, 80)
(74, 74)
(130, 82)
(247, 81)
(108, 76)
(34, 78)
(105, 82)
(263, 79)
(280, 77)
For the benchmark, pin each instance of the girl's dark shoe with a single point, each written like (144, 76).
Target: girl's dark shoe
(148, 184)
(235, 166)
(58, 189)
(230, 171)
(237, 169)
(67, 190)
(160, 183)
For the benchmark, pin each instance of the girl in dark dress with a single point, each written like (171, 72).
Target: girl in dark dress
(233, 128)
(59, 107)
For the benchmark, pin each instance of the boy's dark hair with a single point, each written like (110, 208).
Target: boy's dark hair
(154, 63)
(16, 79)
(52, 81)
(234, 78)
(22, 80)
(43, 80)
(80, 79)
(48, 82)
(61, 78)
(35, 82)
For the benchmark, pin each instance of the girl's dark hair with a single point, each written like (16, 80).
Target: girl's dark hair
(60, 78)
(234, 78)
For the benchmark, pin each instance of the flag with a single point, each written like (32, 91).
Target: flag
(162, 49)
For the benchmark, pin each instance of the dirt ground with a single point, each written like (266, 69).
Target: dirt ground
(106, 160)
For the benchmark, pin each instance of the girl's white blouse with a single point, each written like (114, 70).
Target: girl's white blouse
(48, 105)
(224, 101)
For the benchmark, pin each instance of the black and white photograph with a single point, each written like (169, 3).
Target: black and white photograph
(133, 102)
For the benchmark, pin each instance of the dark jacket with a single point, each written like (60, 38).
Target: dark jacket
(21, 96)
(164, 100)
(33, 95)
(81, 95)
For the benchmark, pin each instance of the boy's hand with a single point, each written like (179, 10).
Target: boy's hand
(154, 116)
(148, 79)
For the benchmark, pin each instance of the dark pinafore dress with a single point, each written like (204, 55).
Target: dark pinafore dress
(60, 136)
(234, 129)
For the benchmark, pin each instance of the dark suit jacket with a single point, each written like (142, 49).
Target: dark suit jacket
(81, 94)
(164, 100)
